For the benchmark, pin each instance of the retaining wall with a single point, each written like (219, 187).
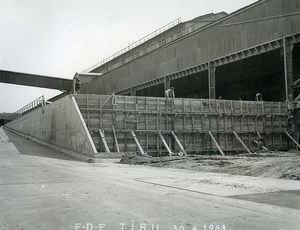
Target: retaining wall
(59, 124)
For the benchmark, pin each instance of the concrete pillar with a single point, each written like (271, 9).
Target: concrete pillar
(288, 70)
(211, 80)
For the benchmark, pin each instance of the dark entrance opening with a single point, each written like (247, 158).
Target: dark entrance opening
(243, 79)
(153, 91)
(193, 86)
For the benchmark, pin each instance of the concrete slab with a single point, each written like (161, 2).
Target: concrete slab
(58, 125)
(223, 184)
(289, 199)
(7, 149)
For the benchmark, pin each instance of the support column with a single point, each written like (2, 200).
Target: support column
(211, 80)
(132, 92)
(167, 83)
(288, 70)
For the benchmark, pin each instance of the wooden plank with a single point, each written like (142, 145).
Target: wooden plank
(104, 141)
(147, 127)
(242, 143)
(179, 144)
(138, 144)
(115, 138)
(292, 139)
(264, 148)
(111, 96)
(216, 143)
(165, 143)
(193, 128)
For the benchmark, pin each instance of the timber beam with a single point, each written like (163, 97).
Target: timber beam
(104, 141)
(288, 69)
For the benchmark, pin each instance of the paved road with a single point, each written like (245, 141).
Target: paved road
(41, 189)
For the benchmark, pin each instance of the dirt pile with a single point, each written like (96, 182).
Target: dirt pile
(284, 165)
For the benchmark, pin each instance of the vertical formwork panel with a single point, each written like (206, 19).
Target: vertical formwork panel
(191, 119)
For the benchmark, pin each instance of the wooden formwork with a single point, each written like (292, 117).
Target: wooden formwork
(200, 125)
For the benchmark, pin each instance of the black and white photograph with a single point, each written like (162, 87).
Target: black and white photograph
(149, 115)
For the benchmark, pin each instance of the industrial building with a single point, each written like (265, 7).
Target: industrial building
(223, 153)
(255, 49)
(217, 63)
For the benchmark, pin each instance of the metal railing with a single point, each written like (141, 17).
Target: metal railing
(181, 32)
(135, 44)
(39, 102)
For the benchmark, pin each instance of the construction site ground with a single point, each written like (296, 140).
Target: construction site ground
(271, 164)
(43, 189)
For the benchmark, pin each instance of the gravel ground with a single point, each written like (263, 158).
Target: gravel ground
(284, 165)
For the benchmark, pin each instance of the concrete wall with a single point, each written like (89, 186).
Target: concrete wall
(262, 22)
(60, 124)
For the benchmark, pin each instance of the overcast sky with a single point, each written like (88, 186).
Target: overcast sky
(61, 37)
